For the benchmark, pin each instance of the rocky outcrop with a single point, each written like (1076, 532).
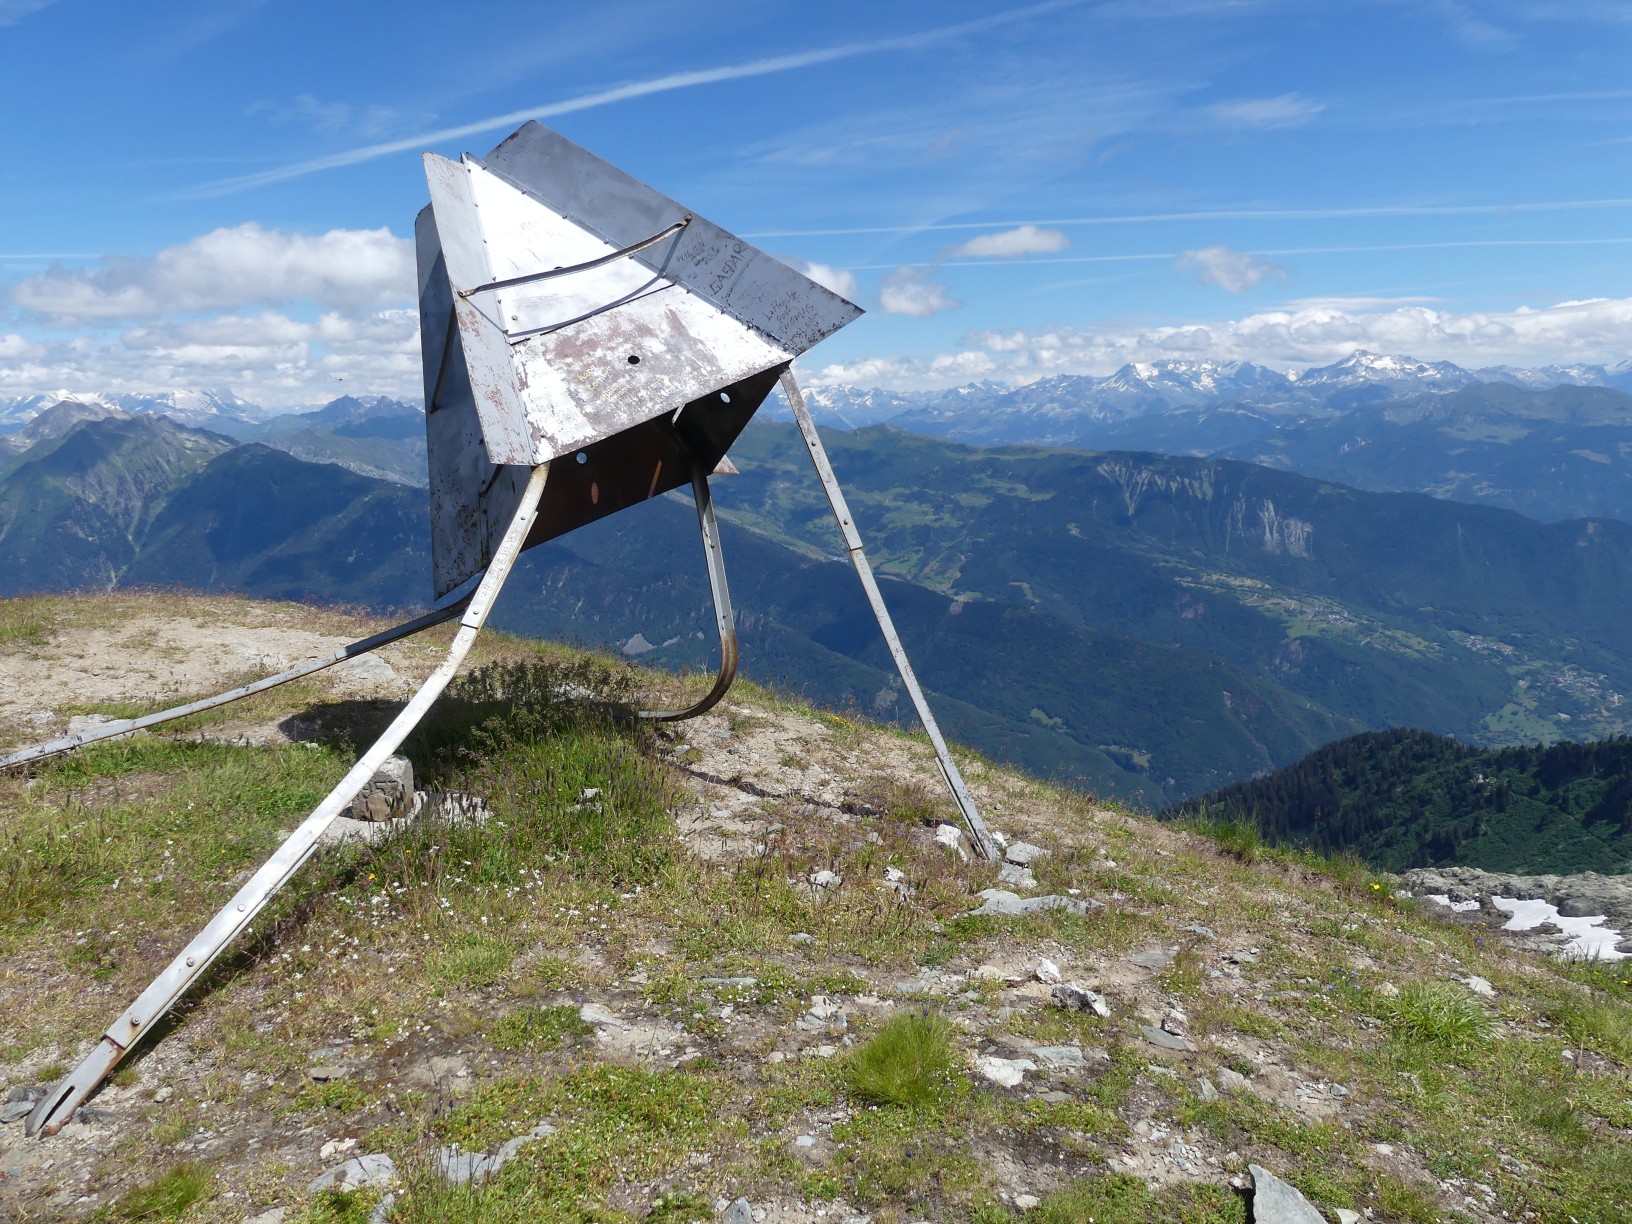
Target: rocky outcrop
(1578, 896)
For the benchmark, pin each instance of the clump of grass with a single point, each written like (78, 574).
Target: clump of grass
(538, 1028)
(1121, 1199)
(23, 623)
(534, 737)
(166, 1197)
(1236, 836)
(908, 1062)
(1597, 1023)
(471, 961)
(1433, 1014)
(904, 801)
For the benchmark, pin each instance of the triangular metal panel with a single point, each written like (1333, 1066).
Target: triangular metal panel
(570, 336)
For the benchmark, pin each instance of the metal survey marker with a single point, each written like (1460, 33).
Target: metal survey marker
(588, 344)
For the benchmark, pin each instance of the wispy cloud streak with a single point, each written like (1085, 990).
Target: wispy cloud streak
(625, 93)
(1221, 214)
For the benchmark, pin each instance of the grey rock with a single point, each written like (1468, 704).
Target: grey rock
(1023, 854)
(368, 669)
(1167, 1041)
(1479, 985)
(388, 795)
(1577, 896)
(814, 1150)
(15, 1111)
(598, 1013)
(275, 1215)
(25, 1092)
(1205, 1089)
(739, 1212)
(1152, 958)
(1001, 903)
(375, 1169)
(802, 937)
(1055, 1097)
(1060, 1056)
(825, 879)
(458, 1167)
(1016, 877)
(1243, 956)
(323, 1074)
(1275, 1202)
(1195, 928)
(1074, 996)
(1346, 1216)
(1232, 1081)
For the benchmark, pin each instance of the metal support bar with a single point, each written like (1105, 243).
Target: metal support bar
(852, 539)
(634, 248)
(190, 963)
(351, 650)
(724, 618)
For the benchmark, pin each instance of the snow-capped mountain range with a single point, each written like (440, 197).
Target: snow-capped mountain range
(1048, 411)
(189, 407)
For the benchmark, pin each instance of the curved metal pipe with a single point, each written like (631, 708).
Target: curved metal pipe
(724, 618)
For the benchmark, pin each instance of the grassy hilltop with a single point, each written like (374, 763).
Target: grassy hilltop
(628, 965)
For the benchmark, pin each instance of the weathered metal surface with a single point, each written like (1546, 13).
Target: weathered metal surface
(348, 651)
(725, 620)
(852, 541)
(190, 963)
(567, 309)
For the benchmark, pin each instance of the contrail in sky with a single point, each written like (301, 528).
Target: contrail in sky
(622, 93)
(1314, 250)
(1217, 214)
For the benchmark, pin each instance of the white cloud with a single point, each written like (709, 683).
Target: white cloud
(269, 358)
(841, 281)
(1232, 271)
(1599, 330)
(908, 373)
(915, 292)
(327, 118)
(16, 348)
(227, 269)
(1010, 244)
(13, 11)
(1284, 110)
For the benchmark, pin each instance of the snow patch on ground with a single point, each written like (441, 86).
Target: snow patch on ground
(1589, 938)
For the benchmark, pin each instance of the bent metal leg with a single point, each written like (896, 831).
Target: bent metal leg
(65, 1097)
(852, 541)
(724, 620)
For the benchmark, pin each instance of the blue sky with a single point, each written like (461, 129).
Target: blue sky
(219, 194)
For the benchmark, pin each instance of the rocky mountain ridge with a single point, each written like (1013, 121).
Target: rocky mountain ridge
(666, 976)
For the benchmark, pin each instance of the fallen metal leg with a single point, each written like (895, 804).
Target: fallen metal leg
(852, 539)
(67, 1096)
(349, 651)
(724, 619)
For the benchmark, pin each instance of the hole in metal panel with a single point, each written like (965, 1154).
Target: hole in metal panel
(634, 358)
(581, 457)
(724, 398)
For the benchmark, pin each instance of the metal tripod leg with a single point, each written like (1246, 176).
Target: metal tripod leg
(349, 651)
(724, 620)
(852, 539)
(191, 962)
